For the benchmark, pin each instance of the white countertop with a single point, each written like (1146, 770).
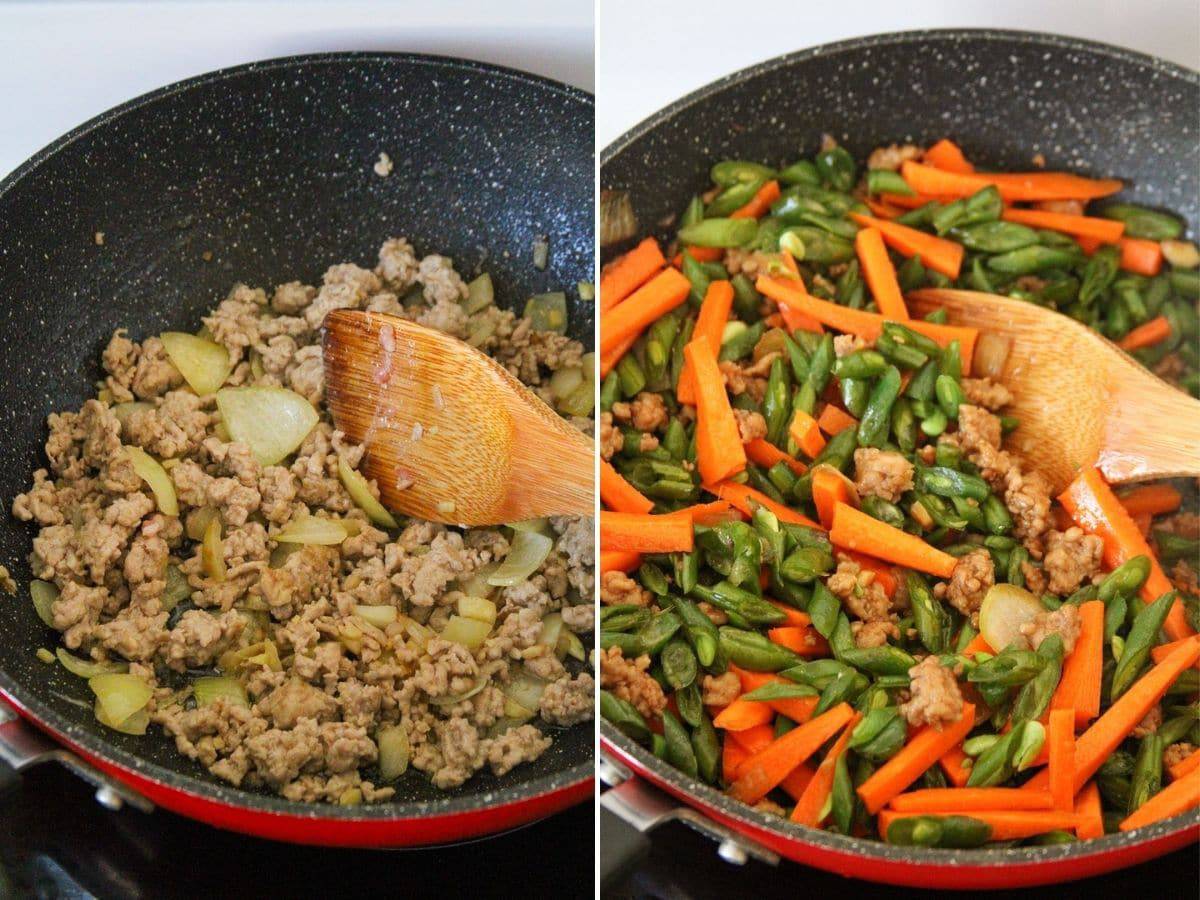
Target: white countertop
(650, 53)
(61, 63)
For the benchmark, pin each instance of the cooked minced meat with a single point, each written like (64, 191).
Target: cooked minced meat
(320, 680)
(974, 573)
(935, 698)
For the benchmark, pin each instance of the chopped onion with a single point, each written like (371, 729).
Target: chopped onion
(195, 524)
(1005, 609)
(477, 608)
(204, 364)
(280, 554)
(480, 332)
(480, 294)
(380, 616)
(312, 530)
(177, 589)
(773, 341)
(479, 685)
(136, 724)
(212, 551)
(418, 632)
(552, 628)
(541, 252)
(124, 410)
(564, 381)
(528, 551)
(210, 687)
(272, 421)
(43, 594)
(88, 668)
(570, 645)
(587, 290)
(119, 696)
(263, 653)
(581, 401)
(359, 490)
(540, 526)
(515, 711)
(548, 312)
(1181, 254)
(525, 690)
(471, 633)
(393, 752)
(151, 472)
(991, 353)
(617, 220)
(477, 585)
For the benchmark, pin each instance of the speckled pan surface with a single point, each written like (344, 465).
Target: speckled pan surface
(1003, 96)
(268, 168)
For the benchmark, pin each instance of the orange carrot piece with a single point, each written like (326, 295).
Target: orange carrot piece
(763, 771)
(856, 530)
(1097, 510)
(760, 204)
(1188, 764)
(609, 360)
(796, 782)
(746, 498)
(867, 325)
(966, 800)
(1006, 825)
(1061, 739)
(1106, 231)
(834, 420)
(1147, 334)
(1141, 256)
(806, 641)
(699, 254)
(1177, 797)
(742, 714)
(816, 793)
(733, 755)
(798, 321)
(883, 210)
(619, 561)
(936, 253)
(627, 273)
(952, 764)
(922, 750)
(1154, 499)
(763, 453)
(1162, 651)
(1097, 743)
(947, 156)
(795, 618)
(618, 494)
(807, 435)
(645, 534)
(709, 513)
(1088, 812)
(719, 451)
(829, 488)
(914, 201)
(651, 301)
(798, 709)
(1079, 687)
(1013, 187)
(878, 270)
(885, 575)
(978, 644)
(753, 739)
(710, 324)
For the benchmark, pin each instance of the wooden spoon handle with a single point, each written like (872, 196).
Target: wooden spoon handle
(1154, 431)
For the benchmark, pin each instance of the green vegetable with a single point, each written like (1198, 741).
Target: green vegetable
(1140, 641)
(678, 663)
(939, 831)
(1141, 222)
(624, 716)
(680, 753)
(754, 651)
(719, 232)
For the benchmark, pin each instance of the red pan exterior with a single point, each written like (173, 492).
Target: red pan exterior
(922, 872)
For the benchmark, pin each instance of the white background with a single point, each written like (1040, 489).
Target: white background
(649, 53)
(63, 62)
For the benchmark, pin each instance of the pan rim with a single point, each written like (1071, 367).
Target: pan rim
(707, 796)
(194, 785)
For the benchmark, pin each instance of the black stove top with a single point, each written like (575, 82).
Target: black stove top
(56, 841)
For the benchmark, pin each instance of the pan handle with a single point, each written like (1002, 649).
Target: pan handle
(22, 746)
(632, 808)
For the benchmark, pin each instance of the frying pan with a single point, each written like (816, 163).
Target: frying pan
(263, 173)
(1003, 96)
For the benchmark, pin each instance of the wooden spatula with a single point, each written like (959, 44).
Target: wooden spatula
(451, 436)
(1080, 399)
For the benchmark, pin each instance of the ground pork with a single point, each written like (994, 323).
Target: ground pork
(985, 392)
(1063, 621)
(973, 575)
(748, 379)
(882, 473)
(517, 745)
(631, 681)
(612, 439)
(721, 690)
(648, 412)
(617, 588)
(1027, 496)
(568, 701)
(1177, 753)
(845, 344)
(751, 425)
(1149, 724)
(1071, 557)
(934, 695)
(891, 156)
(857, 588)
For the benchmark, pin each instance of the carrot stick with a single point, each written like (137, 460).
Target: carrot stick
(866, 325)
(752, 740)
(855, 530)
(806, 641)
(952, 764)
(798, 709)
(795, 617)
(796, 782)
(947, 156)
(763, 771)
(968, 800)
(978, 644)
(885, 576)
(764, 453)
(709, 513)
(1061, 738)
(742, 714)
(1147, 334)
(878, 269)
(807, 435)
(881, 209)
(1177, 797)
(733, 755)
(834, 420)
(651, 301)
(914, 201)
(1162, 651)
(619, 561)
(1021, 186)
(1096, 509)
(746, 498)
(936, 253)
(1155, 499)
(798, 321)
(1006, 825)
(1079, 687)
(1189, 764)
(719, 452)
(710, 324)
(627, 273)
(609, 360)
(1106, 231)
(699, 254)
(1087, 810)
(760, 204)
(1097, 743)
(618, 494)
(645, 534)
(1141, 256)
(829, 488)
(922, 751)
(816, 793)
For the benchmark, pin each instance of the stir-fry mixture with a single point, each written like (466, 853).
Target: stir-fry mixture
(830, 587)
(217, 565)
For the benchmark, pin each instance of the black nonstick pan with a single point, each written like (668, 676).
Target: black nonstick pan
(263, 173)
(1003, 97)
